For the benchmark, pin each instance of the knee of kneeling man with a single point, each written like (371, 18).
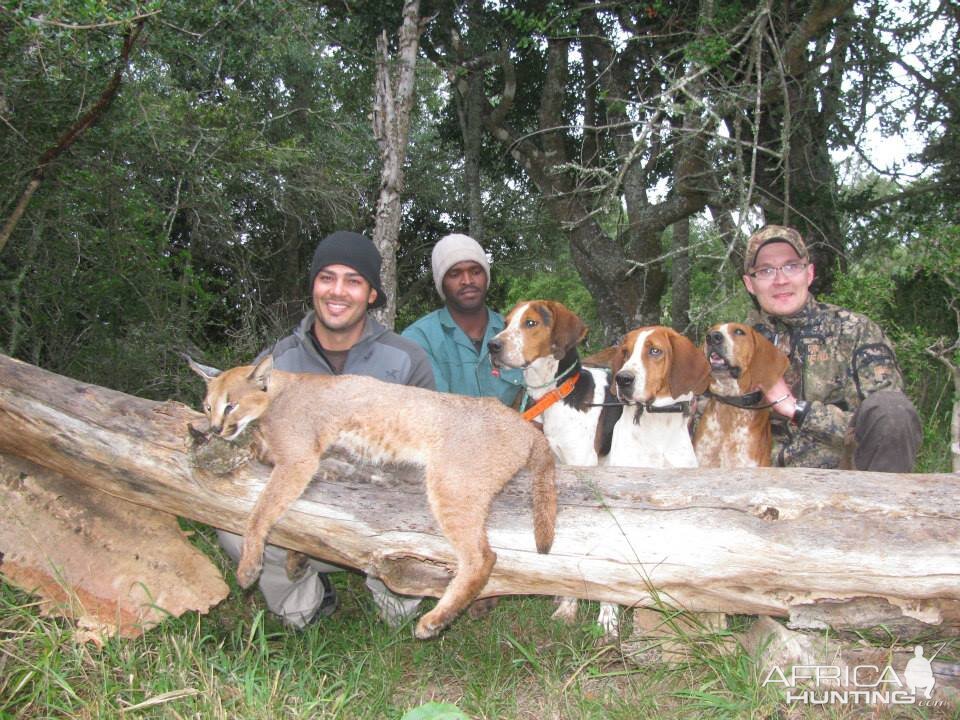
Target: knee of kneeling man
(890, 408)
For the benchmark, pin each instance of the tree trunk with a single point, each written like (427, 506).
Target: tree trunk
(815, 545)
(392, 106)
(680, 286)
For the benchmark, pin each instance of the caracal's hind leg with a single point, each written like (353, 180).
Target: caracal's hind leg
(286, 484)
(543, 473)
(464, 525)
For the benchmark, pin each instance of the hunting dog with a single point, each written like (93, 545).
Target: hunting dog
(734, 429)
(299, 417)
(541, 337)
(656, 371)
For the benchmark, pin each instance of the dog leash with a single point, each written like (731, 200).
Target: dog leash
(552, 397)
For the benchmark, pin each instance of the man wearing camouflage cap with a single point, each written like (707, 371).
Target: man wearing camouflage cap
(841, 402)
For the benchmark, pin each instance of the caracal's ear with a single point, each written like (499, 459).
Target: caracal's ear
(260, 375)
(690, 371)
(205, 371)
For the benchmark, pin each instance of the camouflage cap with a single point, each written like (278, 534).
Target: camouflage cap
(771, 234)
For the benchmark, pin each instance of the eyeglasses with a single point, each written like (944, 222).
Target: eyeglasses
(791, 269)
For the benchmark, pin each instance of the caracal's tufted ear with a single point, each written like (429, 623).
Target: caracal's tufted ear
(766, 366)
(205, 371)
(689, 370)
(568, 329)
(260, 375)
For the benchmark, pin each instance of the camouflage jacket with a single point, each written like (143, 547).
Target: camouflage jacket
(837, 358)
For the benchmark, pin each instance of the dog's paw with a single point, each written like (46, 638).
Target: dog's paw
(609, 622)
(567, 611)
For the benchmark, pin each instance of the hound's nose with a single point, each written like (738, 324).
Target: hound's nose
(495, 346)
(715, 338)
(625, 380)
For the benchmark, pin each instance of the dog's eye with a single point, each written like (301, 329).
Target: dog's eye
(738, 331)
(229, 408)
(530, 322)
(206, 407)
(655, 352)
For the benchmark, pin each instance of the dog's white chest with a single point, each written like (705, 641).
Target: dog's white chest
(655, 440)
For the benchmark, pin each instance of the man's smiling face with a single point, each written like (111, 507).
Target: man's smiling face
(783, 294)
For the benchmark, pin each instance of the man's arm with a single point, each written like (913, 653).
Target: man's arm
(422, 372)
(871, 365)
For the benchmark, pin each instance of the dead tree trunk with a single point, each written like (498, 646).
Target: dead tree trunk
(846, 549)
(392, 107)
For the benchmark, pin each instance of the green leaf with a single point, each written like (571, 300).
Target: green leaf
(435, 711)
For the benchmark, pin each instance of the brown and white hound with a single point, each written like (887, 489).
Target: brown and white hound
(734, 429)
(541, 337)
(657, 372)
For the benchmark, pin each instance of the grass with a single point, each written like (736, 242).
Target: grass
(240, 662)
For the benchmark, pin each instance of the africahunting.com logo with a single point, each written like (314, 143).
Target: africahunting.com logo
(857, 684)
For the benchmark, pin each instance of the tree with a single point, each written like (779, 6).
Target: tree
(599, 103)
(393, 104)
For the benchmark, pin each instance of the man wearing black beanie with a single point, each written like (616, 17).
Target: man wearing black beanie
(338, 337)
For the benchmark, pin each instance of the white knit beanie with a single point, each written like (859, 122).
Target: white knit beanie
(452, 249)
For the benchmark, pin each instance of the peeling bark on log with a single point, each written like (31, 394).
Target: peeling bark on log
(820, 547)
(111, 566)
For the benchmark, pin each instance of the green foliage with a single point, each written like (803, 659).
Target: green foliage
(562, 284)
(187, 216)
(709, 50)
(911, 293)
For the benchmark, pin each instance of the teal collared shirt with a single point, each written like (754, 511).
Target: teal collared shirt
(458, 367)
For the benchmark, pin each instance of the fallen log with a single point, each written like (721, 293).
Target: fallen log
(823, 548)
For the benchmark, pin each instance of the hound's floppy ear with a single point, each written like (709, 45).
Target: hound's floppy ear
(767, 365)
(205, 371)
(260, 375)
(689, 371)
(602, 358)
(618, 357)
(568, 329)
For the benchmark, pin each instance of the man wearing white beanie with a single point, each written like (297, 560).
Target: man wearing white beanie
(455, 337)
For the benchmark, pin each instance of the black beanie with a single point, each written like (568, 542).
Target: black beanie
(353, 250)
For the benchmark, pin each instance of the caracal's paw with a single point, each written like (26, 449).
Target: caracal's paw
(429, 626)
(248, 571)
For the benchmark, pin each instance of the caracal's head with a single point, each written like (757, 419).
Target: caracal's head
(235, 397)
